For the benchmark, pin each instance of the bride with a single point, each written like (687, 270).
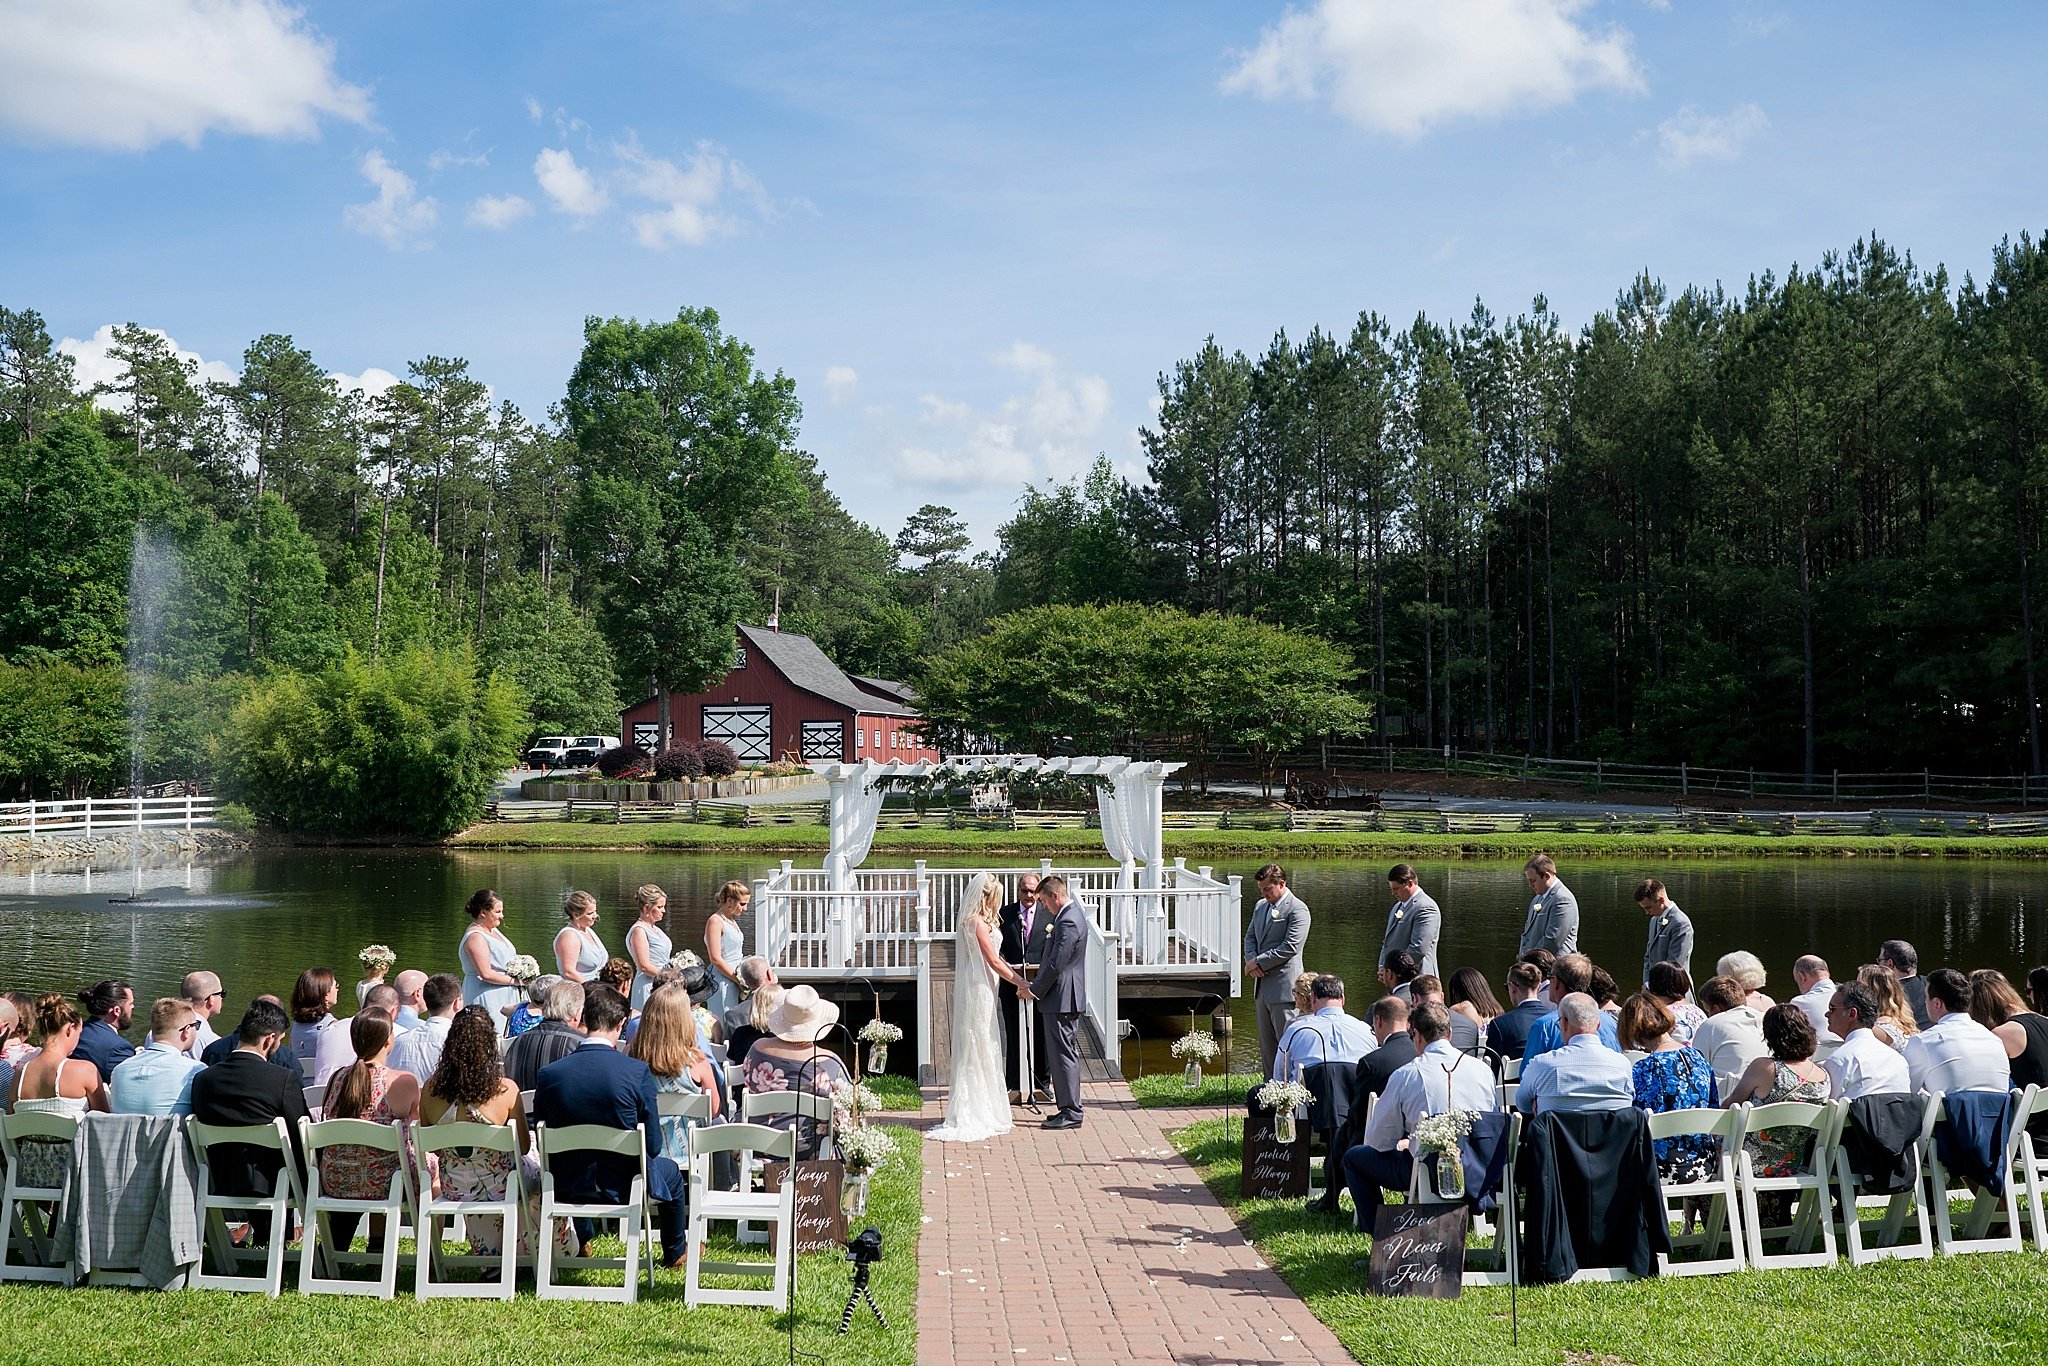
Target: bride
(978, 1105)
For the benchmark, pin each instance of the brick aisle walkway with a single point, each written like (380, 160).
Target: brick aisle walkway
(1097, 1245)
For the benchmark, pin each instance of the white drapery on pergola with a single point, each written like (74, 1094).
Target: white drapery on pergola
(1131, 802)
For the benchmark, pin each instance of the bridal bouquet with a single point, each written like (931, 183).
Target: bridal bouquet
(522, 968)
(865, 1147)
(1197, 1047)
(685, 959)
(376, 958)
(880, 1031)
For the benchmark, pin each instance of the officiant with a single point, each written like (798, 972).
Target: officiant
(1021, 927)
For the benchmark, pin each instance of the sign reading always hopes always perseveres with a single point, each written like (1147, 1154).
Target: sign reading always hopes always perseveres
(1273, 1170)
(1419, 1250)
(820, 1222)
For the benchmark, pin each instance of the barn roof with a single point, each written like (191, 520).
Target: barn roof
(799, 659)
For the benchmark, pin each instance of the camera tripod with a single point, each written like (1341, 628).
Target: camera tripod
(860, 1293)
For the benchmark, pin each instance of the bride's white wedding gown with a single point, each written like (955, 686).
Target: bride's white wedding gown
(978, 1105)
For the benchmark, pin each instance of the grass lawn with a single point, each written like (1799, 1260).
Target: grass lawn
(896, 1093)
(1951, 1310)
(127, 1327)
(1246, 846)
(1166, 1090)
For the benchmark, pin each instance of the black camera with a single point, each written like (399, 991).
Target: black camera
(866, 1248)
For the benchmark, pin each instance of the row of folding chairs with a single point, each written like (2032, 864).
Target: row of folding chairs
(1825, 1196)
(31, 1213)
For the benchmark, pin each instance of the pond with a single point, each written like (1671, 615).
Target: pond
(258, 920)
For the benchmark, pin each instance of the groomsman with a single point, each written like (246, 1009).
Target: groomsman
(1273, 946)
(1670, 939)
(1553, 921)
(1022, 927)
(1413, 924)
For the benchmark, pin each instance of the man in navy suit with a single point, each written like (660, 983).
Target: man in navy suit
(598, 1084)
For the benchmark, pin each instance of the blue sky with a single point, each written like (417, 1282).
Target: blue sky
(973, 235)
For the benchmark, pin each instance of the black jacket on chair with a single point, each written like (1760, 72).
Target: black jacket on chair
(1589, 1180)
(1878, 1140)
(244, 1088)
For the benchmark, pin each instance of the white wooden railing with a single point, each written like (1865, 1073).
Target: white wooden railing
(105, 815)
(1100, 965)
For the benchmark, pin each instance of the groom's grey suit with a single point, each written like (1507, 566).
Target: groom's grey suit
(1061, 990)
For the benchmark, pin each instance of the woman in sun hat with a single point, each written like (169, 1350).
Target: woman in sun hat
(793, 1057)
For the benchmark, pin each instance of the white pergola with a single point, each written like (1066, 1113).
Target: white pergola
(1130, 802)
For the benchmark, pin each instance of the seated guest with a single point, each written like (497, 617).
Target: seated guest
(1816, 992)
(1746, 968)
(370, 1089)
(1995, 1005)
(243, 1088)
(2037, 990)
(158, 1080)
(1542, 960)
(1508, 1034)
(1326, 1034)
(755, 972)
(217, 1052)
(412, 1004)
(1396, 1050)
(1467, 994)
(1672, 1075)
(669, 1045)
(17, 1049)
(1398, 973)
(1605, 991)
(1896, 1020)
(319, 1040)
(1733, 1036)
(1672, 986)
(760, 1009)
(1439, 1078)
(1788, 1072)
(10, 1030)
(559, 1033)
(109, 1007)
(702, 986)
(202, 992)
(1465, 1035)
(1864, 1065)
(419, 1051)
(1955, 1053)
(1900, 959)
(528, 1012)
(618, 970)
(383, 996)
(597, 1084)
(469, 1086)
(790, 1060)
(1570, 974)
(54, 1082)
(1582, 1073)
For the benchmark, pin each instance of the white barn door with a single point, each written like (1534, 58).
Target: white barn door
(744, 728)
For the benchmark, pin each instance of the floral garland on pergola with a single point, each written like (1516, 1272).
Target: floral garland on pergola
(1042, 782)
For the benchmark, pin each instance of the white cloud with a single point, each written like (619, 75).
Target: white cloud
(535, 110)
(689, 194)
(397, 217)
(498, 211)
(840, 383)
(93, 363)
(1054, 430)
(130, 75)
(369, 384)
(1403, 67)
(442, 159)
(568, 186)
(1693, 135)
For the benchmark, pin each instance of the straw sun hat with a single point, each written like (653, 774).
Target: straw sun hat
(801, 1016)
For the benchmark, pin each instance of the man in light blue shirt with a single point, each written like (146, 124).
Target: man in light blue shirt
(1569, 973)
(1584, 1074)
(1440, 1079)
(1326, 1034)
(158, 1079)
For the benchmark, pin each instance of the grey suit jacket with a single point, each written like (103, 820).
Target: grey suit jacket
(1670, 941)
(1061, 986)
(1412, 927)
(1274, 940)
(1553, 921)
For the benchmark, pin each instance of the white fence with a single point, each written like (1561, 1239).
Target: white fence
(106, 815)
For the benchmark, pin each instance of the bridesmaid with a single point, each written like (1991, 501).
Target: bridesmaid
(647, 944)
(484, 952)
(724, 946)
(579, 953)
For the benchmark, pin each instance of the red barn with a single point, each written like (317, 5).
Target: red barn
(783, 697)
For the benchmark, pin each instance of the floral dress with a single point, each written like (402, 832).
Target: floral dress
(1686, 1018)
(1781, 1154)
(768, 1073)
(353, 1171)
(1679, 1079)
(481, 1174)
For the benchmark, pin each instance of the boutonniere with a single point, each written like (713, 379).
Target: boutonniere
(1663, 921)
(1398, 913)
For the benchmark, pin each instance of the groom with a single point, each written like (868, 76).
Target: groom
(1061, 992)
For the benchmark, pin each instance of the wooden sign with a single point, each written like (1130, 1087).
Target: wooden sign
(820, 1222)
(1419, 1250)
(1273, 1170)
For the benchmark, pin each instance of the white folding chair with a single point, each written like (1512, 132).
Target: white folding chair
(775, 1208)
(1890, 1241)
(2033, 1166)
(716, 1052)
(23, 1210)
(316, 1099)
(1986, 1208)
(1809, 1183)
(631, 1214)
(1724, 1208)
(317, 1252)
(434, 1260)
(1499, 1262)
(677, 1105)
(215, 1208)
(1510, 1078)
(762, 1107)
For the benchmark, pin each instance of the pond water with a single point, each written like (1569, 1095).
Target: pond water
(258, 920)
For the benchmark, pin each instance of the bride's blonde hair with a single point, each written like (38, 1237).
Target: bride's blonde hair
(991, 901)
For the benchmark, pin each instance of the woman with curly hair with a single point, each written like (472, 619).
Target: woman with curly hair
(470, 1087)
